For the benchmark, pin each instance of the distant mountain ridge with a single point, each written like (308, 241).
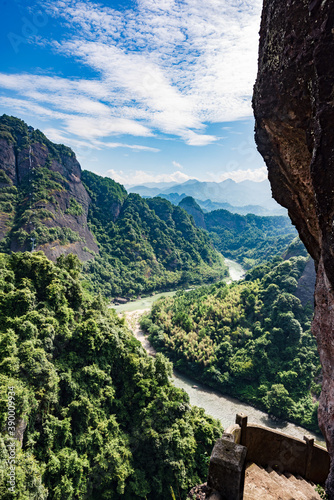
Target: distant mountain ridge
(209, 206)
(240, 196)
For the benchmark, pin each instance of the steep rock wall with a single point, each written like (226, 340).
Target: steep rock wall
(41, 203)
(306, 284)
(294, 110)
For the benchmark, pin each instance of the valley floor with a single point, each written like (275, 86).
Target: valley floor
(215, 404)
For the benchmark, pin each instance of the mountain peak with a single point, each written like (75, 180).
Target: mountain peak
(192, 207)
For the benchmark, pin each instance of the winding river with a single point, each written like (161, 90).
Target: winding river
(236, 271)
(224, 408)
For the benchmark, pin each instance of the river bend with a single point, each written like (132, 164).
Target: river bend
(224, 408)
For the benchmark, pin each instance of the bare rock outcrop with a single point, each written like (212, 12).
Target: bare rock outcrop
(43, 203)
(294, 109)
(306, 284)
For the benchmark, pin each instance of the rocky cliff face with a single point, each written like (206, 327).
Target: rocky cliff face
(294, 109)
(306, 284)
(43, 203)
(193, 208)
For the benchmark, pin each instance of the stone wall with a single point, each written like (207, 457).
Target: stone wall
(269, 447)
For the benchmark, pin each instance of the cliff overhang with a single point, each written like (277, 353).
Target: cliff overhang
(294, 111)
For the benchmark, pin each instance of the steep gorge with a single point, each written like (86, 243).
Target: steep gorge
(293, 105)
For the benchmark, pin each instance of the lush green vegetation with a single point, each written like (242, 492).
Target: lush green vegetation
(17, 132)
(103, 420)
(295, 249)
(75, 208)
(145, 245)
(249, 239)
(250, 339)
(27, 205)
(29, 224)
(8, 200)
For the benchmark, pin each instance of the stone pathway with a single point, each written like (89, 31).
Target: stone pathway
(268, 484)
(265, 484)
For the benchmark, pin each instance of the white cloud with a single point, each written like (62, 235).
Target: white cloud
(141, 177)
(194, 139)
(136, 147)
(59, 136)
(91, 127)
(23, 106)
(142, 81)
(257, 175)
(177, 165)
(169, 66)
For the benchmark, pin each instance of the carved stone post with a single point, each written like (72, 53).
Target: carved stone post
(241, 419)
(309, 453)
(227, 468)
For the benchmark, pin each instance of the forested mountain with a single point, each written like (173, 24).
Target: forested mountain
(131, 245)
(149, 245)
(96, 417)
(43, 203)
(250, 339)
(193, 209)
(249, 239)
(209, 206)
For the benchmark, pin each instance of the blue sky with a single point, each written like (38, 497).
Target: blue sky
(143, 91)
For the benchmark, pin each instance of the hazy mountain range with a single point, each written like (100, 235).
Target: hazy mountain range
(240, 197)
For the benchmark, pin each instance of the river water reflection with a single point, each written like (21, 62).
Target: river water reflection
(236, 271)
(224, 408)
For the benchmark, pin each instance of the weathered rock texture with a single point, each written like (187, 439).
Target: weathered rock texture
(22, 156)
(306, 284)
(294, 109)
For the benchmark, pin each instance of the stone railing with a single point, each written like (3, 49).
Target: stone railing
(243, 442)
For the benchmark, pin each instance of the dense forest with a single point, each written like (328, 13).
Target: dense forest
(249, 339)
(248, 239)
(145, 245)
(96, 416)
